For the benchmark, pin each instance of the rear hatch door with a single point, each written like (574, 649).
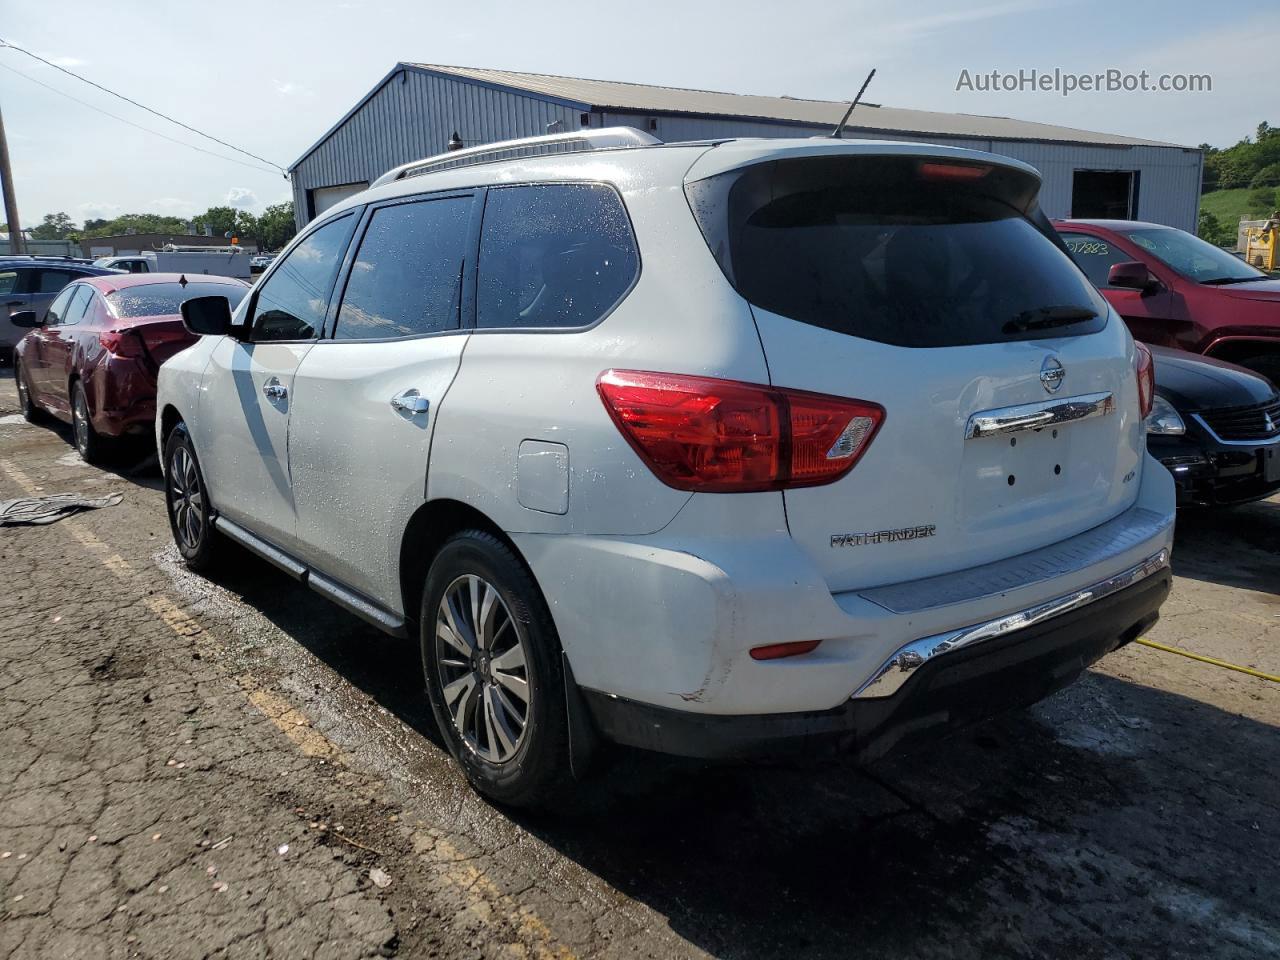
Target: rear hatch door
(932, 286)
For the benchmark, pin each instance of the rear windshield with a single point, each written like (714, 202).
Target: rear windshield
(911, 251)
(164, 299)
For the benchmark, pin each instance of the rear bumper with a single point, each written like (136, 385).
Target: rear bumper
(122, 396)
(929, 687)
(1209, 472)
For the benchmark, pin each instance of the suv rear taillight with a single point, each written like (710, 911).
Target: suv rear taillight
(1145, 367)
(722, 436)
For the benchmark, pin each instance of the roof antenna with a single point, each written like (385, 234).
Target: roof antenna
(838, 132)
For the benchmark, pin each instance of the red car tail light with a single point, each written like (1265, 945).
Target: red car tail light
(723, 436)
(1145, 367)
(122, 343)
(776, 651)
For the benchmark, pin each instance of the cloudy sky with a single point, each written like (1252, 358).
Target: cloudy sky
(271, 77)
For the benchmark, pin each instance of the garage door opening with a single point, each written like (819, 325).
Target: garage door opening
(322, 198)
(1105, 194)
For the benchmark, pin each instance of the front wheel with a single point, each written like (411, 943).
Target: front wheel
(494, 677)
(190, 517)
(26, 405)
(88, 442)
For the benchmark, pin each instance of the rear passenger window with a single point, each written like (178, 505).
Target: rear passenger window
(79, 303)
(406, 279)
(1095, 255)
(292, 303)
(553, 255)
(8, 282)
(51, 281)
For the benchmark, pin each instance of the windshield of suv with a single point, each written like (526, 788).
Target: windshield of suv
(166, 299)
(1192, 257)
(917, 252)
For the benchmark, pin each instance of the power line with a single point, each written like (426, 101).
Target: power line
(142, 106)
(154, 133)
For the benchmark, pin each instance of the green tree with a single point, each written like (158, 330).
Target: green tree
(55, 226)
(276, 226)
(134, 223)
(1210, 229)
(218, 220)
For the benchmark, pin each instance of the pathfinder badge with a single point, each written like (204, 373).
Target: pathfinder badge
(882, 536)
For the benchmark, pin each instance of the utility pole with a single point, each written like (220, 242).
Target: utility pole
(17, 245)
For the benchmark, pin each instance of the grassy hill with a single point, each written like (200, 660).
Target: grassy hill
(1230, 205)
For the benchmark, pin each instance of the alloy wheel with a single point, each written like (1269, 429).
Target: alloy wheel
(483, 668)
(80, 420)
(186, 499)
(24, 395)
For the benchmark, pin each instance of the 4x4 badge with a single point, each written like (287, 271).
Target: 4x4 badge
(1051, 374)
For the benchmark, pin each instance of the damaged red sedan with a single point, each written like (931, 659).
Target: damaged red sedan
(92, 359)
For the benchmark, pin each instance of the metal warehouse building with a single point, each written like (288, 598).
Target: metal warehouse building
(415, 110)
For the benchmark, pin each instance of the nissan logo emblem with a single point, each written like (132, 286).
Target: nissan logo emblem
(1051, 374)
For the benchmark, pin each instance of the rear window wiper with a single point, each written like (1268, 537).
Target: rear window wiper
(1042, 317)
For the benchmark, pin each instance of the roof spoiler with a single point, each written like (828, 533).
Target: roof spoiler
(601, 138)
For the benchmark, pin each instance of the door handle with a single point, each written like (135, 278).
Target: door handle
(410, 402)
(273, 389)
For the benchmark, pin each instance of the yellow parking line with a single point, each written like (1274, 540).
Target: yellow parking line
(484, 897)
(1211, 660)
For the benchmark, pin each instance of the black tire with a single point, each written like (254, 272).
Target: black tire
(89, 443)
(27, 406)
(536, 768)
(187, 503)
(1267, 364)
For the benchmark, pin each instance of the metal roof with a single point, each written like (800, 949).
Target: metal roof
(644, 98)
(867, 120)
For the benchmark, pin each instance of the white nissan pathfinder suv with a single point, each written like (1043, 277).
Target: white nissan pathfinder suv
(708, 448)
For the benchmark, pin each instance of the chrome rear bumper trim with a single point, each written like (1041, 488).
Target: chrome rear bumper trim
(1037, 416)
(898, 669)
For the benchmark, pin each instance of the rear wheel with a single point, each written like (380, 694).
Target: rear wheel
(26, 405)
(190, 516)
(492, 662)
(88, 442)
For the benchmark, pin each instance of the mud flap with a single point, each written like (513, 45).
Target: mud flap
(584, 740)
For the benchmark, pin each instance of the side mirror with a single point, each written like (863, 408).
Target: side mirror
(1132, 275)
(207, 316)
(25, 318)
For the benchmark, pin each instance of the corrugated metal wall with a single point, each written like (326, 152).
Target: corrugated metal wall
(414, 114)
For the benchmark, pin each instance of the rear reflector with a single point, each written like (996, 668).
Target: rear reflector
(776, 651)
(932, 170)
(723, 436)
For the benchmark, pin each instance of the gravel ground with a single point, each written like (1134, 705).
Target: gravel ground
(234, 768)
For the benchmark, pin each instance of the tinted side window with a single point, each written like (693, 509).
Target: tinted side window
(51, 281)
(407, 277)
(79, 302)
(53, 315)
(1095, 255)
(553, 255)
(8, 282)
(291, 305)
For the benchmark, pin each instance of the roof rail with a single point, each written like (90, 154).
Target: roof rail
(597, 139)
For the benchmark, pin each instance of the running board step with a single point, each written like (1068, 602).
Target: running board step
(343, 596)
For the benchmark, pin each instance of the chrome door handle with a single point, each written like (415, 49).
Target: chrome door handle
(410, 402)
(273, 389)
